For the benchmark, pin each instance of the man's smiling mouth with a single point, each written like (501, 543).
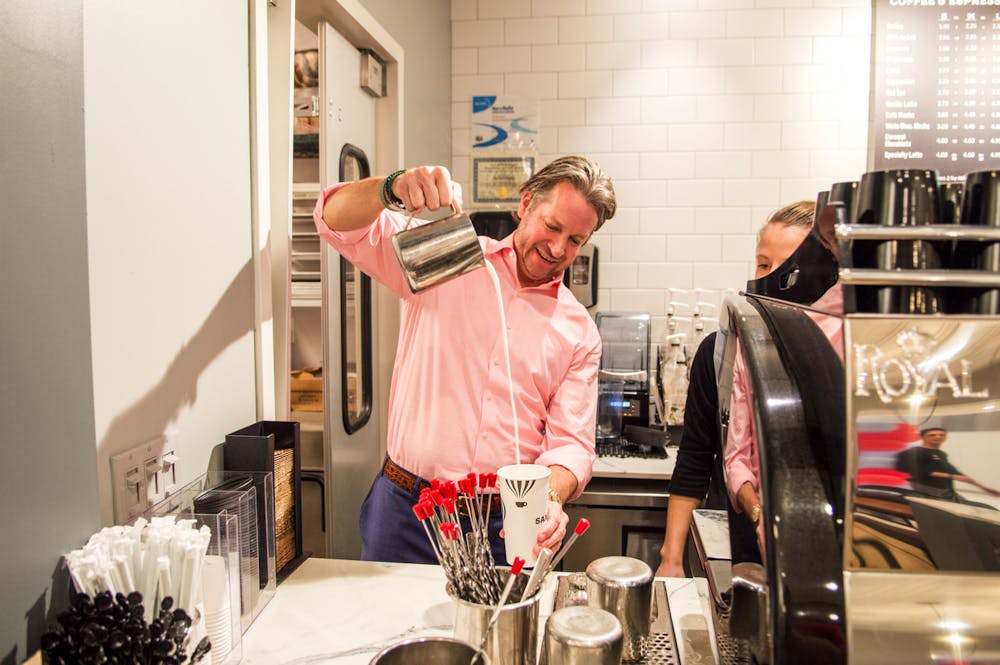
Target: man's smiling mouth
(545, 258)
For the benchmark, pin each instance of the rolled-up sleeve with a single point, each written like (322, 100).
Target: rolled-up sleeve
(370, 248)
(572, 416)
(741, 448)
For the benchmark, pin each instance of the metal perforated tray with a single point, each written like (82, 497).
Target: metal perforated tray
(661, 647)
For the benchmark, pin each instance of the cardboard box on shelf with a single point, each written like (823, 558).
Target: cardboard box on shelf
(307, 389)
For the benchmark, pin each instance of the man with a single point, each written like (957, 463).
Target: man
(930, 471)
(449, 410)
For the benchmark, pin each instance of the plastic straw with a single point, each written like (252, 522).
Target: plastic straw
(163, 582)
(126, 581)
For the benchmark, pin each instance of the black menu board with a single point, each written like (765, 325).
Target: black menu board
(936, 77)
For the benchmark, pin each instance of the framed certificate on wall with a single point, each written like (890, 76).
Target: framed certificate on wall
(496, 179)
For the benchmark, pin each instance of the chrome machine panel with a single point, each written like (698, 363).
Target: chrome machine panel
(919, 547)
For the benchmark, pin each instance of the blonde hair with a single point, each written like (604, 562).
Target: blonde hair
(800, 213)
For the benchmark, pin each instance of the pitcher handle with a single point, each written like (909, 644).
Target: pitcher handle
(454, 209)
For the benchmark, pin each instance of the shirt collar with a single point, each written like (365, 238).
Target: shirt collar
(504, 249)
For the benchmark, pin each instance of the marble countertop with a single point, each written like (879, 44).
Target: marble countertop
(635, 467)
(344, 612)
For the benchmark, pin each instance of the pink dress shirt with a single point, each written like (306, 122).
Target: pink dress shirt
(741, 441)
(449, 405)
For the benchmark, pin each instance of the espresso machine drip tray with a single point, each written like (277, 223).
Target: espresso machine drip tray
(661, 647)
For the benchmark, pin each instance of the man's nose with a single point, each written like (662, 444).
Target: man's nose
(557, 247)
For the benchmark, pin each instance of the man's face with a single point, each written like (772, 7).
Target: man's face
(551, 231)
(934, 437)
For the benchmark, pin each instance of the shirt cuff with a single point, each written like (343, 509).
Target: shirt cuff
(735, 477)
(579, 462)
(325, 231)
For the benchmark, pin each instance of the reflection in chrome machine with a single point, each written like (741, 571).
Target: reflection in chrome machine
(923, 528)
(880, 474)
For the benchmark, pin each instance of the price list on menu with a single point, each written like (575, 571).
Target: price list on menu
(936, 101)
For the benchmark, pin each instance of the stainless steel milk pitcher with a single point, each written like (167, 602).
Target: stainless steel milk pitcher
(437, 251)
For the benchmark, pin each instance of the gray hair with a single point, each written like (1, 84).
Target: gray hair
(587, 178)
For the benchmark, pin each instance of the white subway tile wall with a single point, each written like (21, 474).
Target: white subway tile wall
(708, 115)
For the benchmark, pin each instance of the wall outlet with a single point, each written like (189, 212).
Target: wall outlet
(142, 477)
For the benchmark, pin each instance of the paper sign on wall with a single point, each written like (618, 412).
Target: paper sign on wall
(504, 135)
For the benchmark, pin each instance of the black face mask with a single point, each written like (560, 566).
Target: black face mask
(804, 276)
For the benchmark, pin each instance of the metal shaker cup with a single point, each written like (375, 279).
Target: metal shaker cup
(441, 650)
(581, 635)
(623, 586)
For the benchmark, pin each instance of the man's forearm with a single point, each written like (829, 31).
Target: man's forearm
(354, 206)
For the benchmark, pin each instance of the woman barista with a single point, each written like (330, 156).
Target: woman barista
(698, 461)
(807, 277)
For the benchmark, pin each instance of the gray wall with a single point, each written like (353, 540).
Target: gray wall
(48, 483)
(423, 29)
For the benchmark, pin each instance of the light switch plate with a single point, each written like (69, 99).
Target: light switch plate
(139, 479)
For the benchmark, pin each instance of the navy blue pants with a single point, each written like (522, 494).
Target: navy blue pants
(391, 532)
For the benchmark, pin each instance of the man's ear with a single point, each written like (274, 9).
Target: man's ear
(522, 209)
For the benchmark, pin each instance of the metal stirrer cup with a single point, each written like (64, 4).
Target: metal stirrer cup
(515, 570)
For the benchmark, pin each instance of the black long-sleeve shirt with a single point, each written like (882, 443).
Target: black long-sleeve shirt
(698, 458)
(698, 471)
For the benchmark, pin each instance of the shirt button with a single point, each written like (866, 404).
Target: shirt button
(496, 362)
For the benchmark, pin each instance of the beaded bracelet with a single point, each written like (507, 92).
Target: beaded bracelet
(385, 195)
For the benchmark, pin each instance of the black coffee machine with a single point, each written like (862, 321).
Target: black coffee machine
(625, 350)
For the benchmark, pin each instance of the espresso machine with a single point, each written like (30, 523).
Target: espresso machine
(867, 559)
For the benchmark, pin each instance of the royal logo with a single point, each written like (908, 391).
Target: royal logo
(915, 374)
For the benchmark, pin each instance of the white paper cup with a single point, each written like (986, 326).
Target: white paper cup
(524, 492)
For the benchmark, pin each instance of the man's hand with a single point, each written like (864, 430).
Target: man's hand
(552, 532)
(429, 187)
